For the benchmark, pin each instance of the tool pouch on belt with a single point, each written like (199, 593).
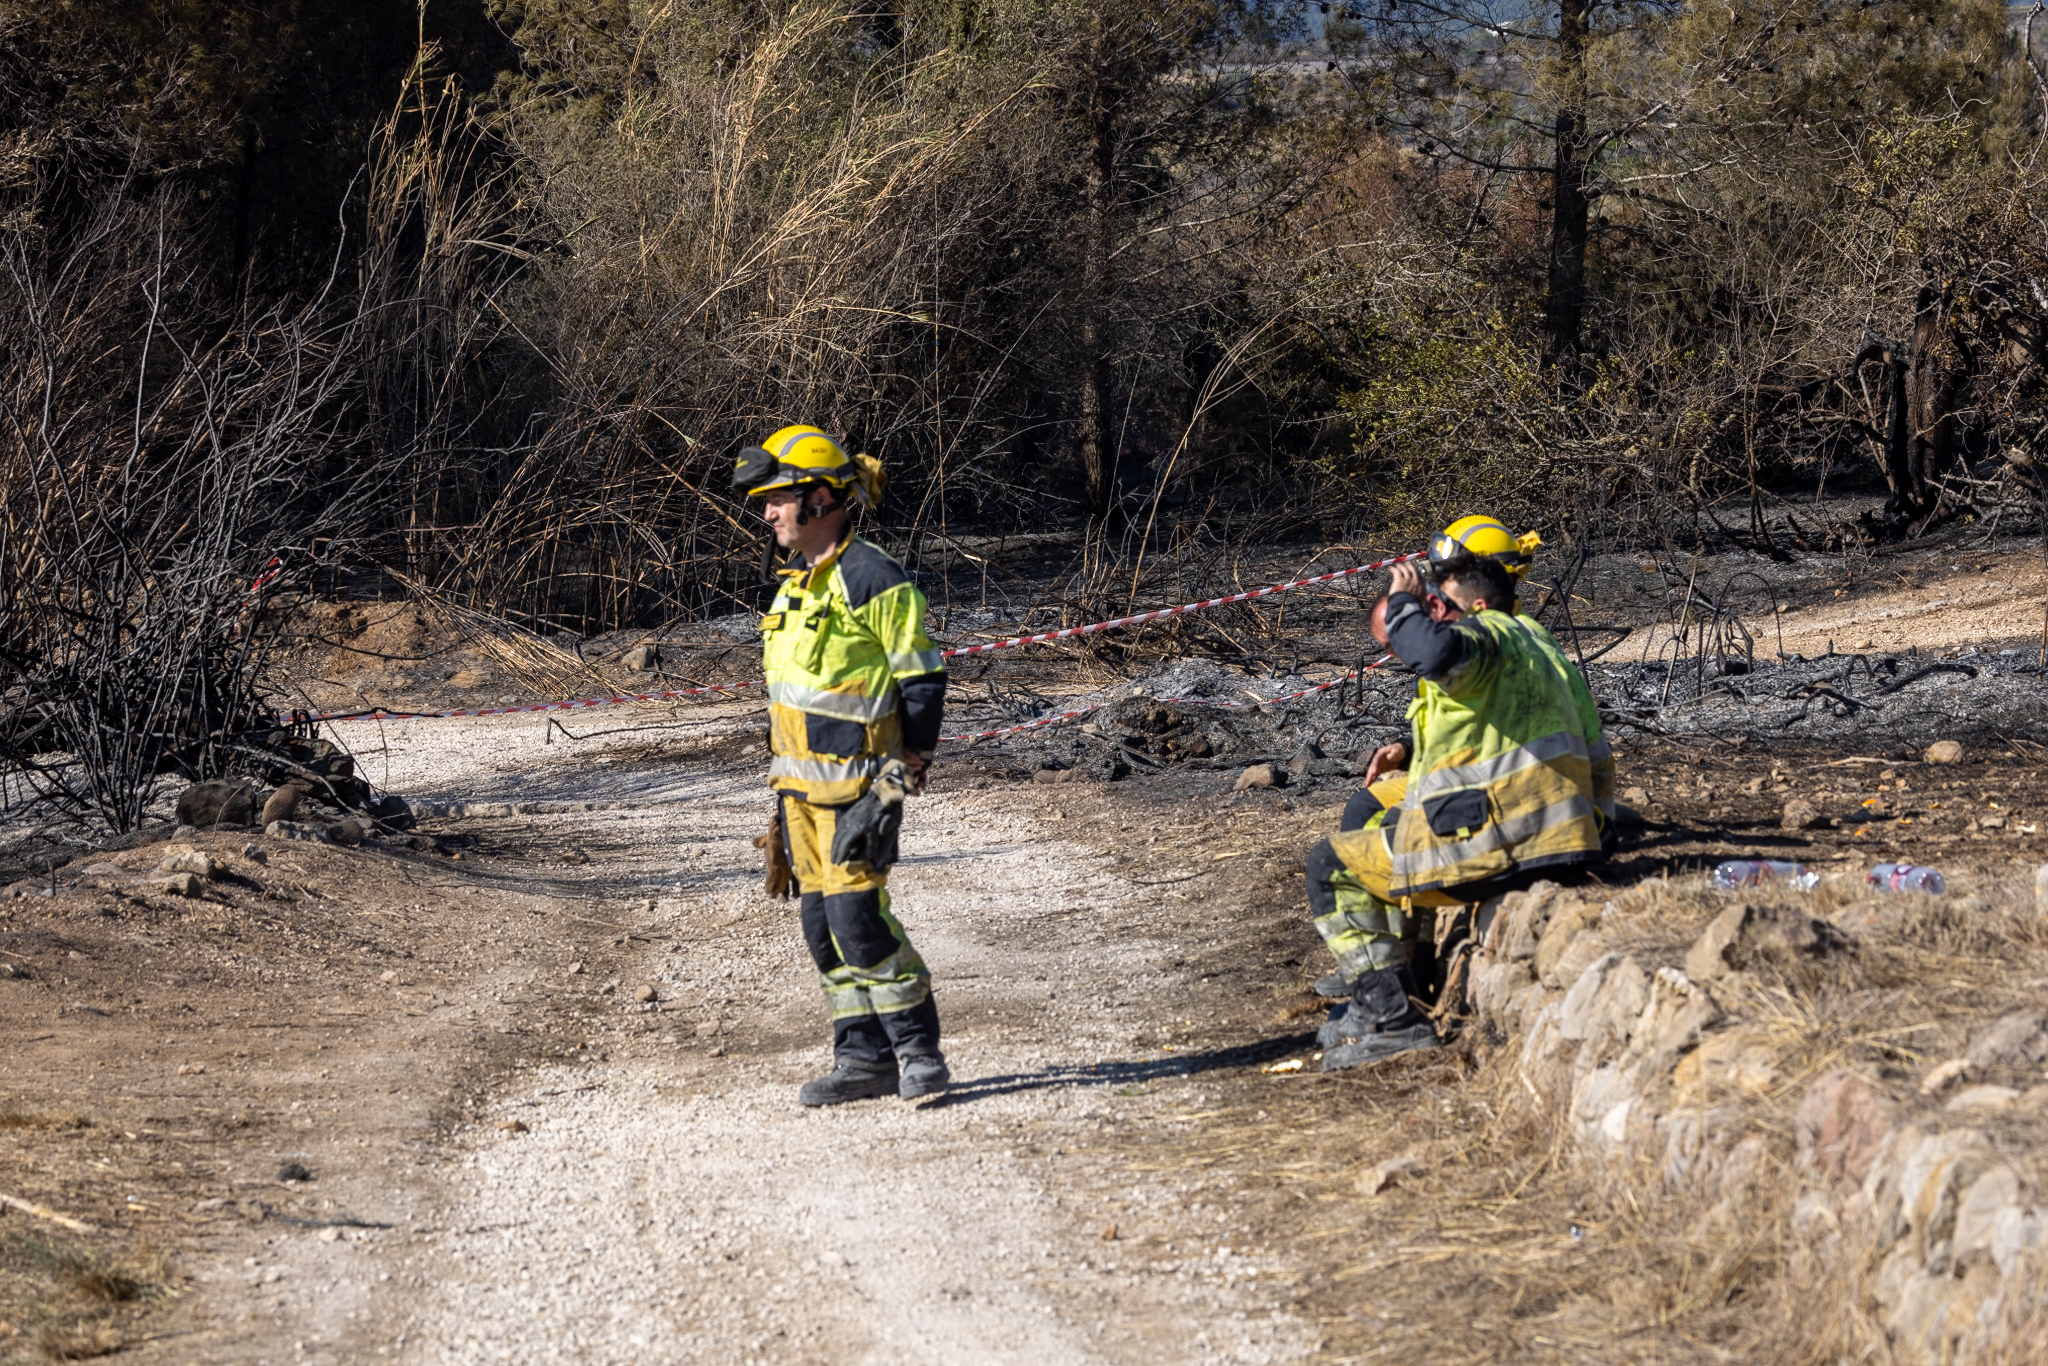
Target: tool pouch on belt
(866, 831)
(775, 858)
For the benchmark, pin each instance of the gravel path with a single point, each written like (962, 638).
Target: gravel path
(678, 1205)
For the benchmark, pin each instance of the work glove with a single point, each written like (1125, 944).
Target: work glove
(866, 832)
(775, 858)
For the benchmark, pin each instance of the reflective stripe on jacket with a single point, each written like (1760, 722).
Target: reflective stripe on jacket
(1509, 767)
(834, 646)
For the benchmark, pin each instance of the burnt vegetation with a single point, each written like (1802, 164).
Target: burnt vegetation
(472, 302)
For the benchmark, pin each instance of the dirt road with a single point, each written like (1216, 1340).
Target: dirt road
(666, 1199)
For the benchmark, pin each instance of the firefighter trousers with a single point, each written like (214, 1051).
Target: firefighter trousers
(1364, 930)
(877, 989)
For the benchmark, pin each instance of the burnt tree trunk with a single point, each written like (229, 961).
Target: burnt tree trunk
(1570, 206)
(1094, 436)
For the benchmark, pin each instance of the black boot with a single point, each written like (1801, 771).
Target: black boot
(1377, 1022)
(924, 1074)
(851, 1080)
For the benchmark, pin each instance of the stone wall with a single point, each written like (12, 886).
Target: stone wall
(1910, 1204)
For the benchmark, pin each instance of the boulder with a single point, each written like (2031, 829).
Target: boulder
(1944, 752)
(293, 830)
(216, 803)
(1745, 935)
(182, 884)
(644, 657)
(348, 833)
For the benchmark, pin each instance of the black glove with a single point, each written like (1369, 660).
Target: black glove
(866, 831)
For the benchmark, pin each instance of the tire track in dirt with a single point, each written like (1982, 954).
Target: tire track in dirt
(678, 1205)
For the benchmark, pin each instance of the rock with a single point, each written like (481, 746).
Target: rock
(2013, 1041)
(1841, 1126)
(1983, 1098)
(1522, 917)
(1745, 935)
(1940, 1075)
(1799, 814)
(294, 830)
(193, 862)
(390, 812)
(255, 853)
(644, 657)
(512, 1126)
(1259, 775)
(1931, 1180)
(1635, 796)
(1391, 1172)
(1944, 752)
(646, 994)
(575, 968)
(346, 833)
(216, 803)
(185, 832)
(191, 1069)
(283, 804)
(182, 884)
(388, 976)
(1603, 1004)
(1678, 1014)
(294, 1171)
(1568, 917)
(2014, 1234)
(1050, 775)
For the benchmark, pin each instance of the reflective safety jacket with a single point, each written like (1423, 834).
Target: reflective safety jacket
(842, 646)
(1508, 769)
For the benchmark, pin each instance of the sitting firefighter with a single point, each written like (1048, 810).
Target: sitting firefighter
(1507, 778)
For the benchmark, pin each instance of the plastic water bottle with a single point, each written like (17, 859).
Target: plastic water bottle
(1907, 877)
(1743, 872)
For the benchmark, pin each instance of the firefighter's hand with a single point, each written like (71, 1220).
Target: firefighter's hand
(1386, 759)
(1406, 578)
(917, 764)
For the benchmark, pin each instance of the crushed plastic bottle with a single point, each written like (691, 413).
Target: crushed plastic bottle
(1908, 877)
(1744, 872)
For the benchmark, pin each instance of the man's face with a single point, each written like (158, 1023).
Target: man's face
(780, 511)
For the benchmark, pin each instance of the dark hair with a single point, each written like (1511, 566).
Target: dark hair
(1481, 578)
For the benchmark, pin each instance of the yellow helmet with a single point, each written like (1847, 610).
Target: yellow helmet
(806, 455)
(1488, 539)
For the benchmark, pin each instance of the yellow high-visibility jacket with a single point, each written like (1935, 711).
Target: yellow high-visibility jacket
(1509, 768)
(838, 640)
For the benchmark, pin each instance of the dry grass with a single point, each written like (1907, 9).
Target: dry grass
(1511, 1246)
(43, 1119)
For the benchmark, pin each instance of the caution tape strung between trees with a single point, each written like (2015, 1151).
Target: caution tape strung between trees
(1068, 633)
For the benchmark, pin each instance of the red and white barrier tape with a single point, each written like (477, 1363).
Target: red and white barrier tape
(1069, 633)
(1175, 702)
(1185, 607)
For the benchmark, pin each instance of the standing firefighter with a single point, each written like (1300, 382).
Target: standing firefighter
(855, 689)
(1508, 778)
